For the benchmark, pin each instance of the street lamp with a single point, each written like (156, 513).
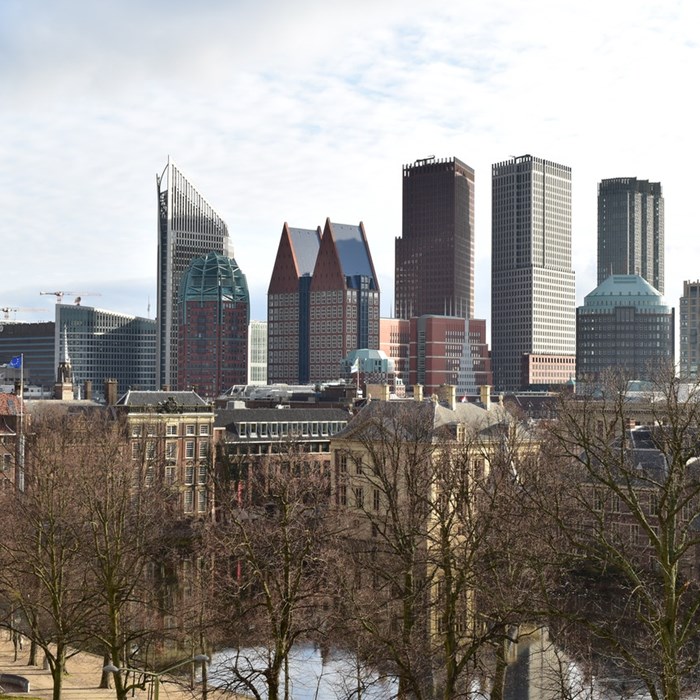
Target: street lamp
(156, 675)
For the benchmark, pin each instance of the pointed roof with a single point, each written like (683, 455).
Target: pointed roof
(296, 257)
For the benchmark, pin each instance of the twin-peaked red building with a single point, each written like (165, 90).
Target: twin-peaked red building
(323, 302)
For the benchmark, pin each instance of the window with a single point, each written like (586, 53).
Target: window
(189, 474)
(204, 429)
(170, 475)
(150, 450)
(342, 464)
(202, 474)
(136, 430)
(171, 429)
(189, 429)
(359, 497)
(358, 465)
(151, 430)
(376, 499)
(201, 501)
(203, 449)
(171, 450)
(189, 449)
(188, 501)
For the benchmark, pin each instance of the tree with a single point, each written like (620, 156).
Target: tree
(42, 572)
(624, 499)
(129, 512)
(428, 495)
(269, 566)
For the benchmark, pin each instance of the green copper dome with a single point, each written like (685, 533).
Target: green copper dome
(214, 277)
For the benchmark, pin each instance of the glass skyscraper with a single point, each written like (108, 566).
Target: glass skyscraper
(187, 228)
(631, 230)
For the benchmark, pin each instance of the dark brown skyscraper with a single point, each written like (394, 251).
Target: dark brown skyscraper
(435, 254)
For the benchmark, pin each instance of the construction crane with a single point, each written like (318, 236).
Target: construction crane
(78, 296)
(7, 310)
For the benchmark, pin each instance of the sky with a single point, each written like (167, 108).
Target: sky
(298, 111)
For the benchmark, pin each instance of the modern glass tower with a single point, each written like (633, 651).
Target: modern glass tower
(187, 228)
(533, 296)
(631, 230)
(435, 254)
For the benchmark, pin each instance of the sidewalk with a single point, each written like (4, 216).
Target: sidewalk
(83, 677)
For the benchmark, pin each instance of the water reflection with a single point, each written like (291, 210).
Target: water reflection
(537, 670)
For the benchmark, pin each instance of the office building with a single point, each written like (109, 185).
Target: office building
(344, 301)
(105, 345)
(288, 304)
(532, 284)
(257, 353)
(631, 230)
(323, 302)
(435, 254)
(624, 325)
(213, 314)
(689, 344)
(36, 342)
(187, 228)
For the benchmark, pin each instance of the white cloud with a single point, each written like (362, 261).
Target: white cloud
(297, 111)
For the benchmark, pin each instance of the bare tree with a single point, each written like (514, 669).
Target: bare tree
(42, 572)
(269, 566)
(428, 496)
(625, 498)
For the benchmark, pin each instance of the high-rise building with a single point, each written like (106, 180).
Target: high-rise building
(323, 302)
(631, 230)
(105, 345)
(532, 284)
(288, 299)
(435, 253)
(257, 352)
(214, 310)
(344, 303)
(689, 344)
(623, 325)
(187, 228)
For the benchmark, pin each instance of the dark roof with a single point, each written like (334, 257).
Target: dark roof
(183, 399)
(305, 243)
(352, 250)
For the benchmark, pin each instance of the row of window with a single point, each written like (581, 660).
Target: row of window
(286, 429)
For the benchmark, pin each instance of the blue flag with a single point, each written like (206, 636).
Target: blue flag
(16, 362)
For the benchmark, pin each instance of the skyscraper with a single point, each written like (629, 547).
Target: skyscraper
(288, 299)
(631, 230)
(187, 228)
(532, 284)
(435, 253)
(323, 302)
(344, 302)
(213, 312)
(690, 331)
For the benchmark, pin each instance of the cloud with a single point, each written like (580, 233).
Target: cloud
(297, 111)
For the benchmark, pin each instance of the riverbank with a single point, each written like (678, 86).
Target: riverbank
(83, 678)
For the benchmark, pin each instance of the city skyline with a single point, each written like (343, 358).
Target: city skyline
(94, 101)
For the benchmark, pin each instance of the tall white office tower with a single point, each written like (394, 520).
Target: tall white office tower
(533, 296)
(187, 228)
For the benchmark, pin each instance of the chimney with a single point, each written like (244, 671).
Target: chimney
(111, 391)
(448, 395)
(88, 389)
(418, 392)
(485, 395)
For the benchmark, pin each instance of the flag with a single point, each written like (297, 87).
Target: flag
(16, 362)
(355, 366)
